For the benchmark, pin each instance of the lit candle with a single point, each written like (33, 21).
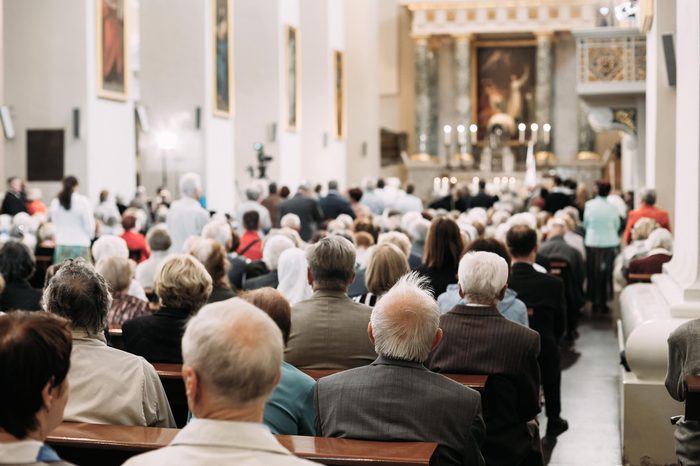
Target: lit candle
(521, 132)
(497, 181)
(436, 185)
(445, 185)
(461, 135)
(475, 184)
(547, 128)
(472, 129)
(453, 180)
(511, 182)
(533, 132)
(447, 139)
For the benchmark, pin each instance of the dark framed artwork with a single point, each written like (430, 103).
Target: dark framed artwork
(339, 94)
(112, 48)
(45, 154)
(222, 26)
(503, 83)
(292, 81)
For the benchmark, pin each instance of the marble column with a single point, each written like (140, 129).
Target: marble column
(422, 50)
(543, 84)
(462, 61)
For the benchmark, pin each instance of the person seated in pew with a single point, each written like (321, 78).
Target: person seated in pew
(329, 330)
(659, 246)
(117, 271)
(159, 243)
(229, 375)
(684, 360)
(35, 356)
(290, 409)
(183, 286)
(212, 255)
(17, 266)
(273, 246)
(477, 339)
(396, 398)
(107, 386)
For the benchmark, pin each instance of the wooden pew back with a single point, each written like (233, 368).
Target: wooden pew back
(692, 398)
(109, 445)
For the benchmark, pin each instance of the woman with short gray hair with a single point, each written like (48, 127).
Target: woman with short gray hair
(117, 271)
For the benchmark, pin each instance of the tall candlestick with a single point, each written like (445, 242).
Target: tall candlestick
(436, 185)
(422, 144)
(447, 136)
(533, 132)
(521, 132)
(461, 135)
(546, 128)
(473, 129)
(475, 185)
(445, 186)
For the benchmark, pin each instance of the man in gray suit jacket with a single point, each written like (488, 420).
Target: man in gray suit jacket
(329, 330)
(479, 340)
(396, 398)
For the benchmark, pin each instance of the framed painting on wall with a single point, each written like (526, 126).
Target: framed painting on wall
(503, 83)
(112, 49)
(339, 94)
(222, 26)
(292, 82)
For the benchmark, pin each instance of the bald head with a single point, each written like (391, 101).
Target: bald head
(236, 349)
(404, 323)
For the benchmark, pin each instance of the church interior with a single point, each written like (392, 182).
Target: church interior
(537, 158)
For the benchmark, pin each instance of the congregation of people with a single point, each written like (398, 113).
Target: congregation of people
(369, 282)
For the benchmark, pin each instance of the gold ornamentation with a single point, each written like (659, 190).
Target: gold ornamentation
(605, 64)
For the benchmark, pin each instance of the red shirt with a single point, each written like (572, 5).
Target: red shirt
(649, 211)
(251, 246)
(138, 249)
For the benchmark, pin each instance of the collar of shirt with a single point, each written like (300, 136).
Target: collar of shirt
(385, 361)
(23, 451)
(84, 337)
(236, 434)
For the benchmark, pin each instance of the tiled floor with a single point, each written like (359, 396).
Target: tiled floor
(590, 399)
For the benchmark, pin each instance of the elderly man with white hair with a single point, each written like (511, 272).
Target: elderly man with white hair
(186, 217)
(228, 378)
(477, 339)
(274, 246)
(252, 195)
(398, 398)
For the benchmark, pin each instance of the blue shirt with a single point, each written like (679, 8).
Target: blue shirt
(290, 409)
(510, 307)
(601, 220)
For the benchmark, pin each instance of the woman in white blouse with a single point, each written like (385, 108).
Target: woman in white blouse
(72, 216)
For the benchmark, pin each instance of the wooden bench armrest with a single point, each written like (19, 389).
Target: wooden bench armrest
(639, 277)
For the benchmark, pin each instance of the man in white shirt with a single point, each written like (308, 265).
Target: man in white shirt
(228, 378)
(107, 386)
(186, 216)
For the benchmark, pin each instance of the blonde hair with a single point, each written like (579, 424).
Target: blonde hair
(117, 271)
(398, 239)
(387, 263)
(182, 282)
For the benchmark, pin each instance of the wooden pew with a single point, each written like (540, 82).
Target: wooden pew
(692, 398)
(477, 382)
(171, 378)
(639, 277)
(116, 338)
(556, 267)
(109, 445)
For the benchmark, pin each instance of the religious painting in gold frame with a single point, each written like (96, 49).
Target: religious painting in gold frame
(112, 44)
(292, 69)
(339, 94)
(503, 81)
(222, 53)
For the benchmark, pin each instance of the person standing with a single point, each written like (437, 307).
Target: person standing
(304, 205)
(186, 216)
(601, 220)
(71, 214)
(272, 204)
(15, 200)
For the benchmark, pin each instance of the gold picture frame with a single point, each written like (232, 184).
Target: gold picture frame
(222, 58)
(292, 70)
(112, 44)
(339, 94)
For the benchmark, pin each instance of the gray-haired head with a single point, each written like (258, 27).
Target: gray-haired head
(237, 369)
(220, 231)
(332, 263)
(649, 196)
(405, 321)
(659, 238)
(80, 294)
(109, 245)
(333, 185)
(158, 238)
(482, 277)
(191, 185)
(291, 221)
(252, 193)
(274, 246)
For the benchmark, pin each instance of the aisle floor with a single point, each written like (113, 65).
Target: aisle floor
(590, 399)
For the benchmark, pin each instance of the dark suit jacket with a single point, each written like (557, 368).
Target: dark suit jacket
(219, 293)
(557, 248)
(157, 337)
(392, 400)
(556, 201)
(334, 204)
(19, 295)
(479, 340)
(482, 200)
(545, 295)
(237, 271)
(308, 210)
(269, 279)
(13, 204)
